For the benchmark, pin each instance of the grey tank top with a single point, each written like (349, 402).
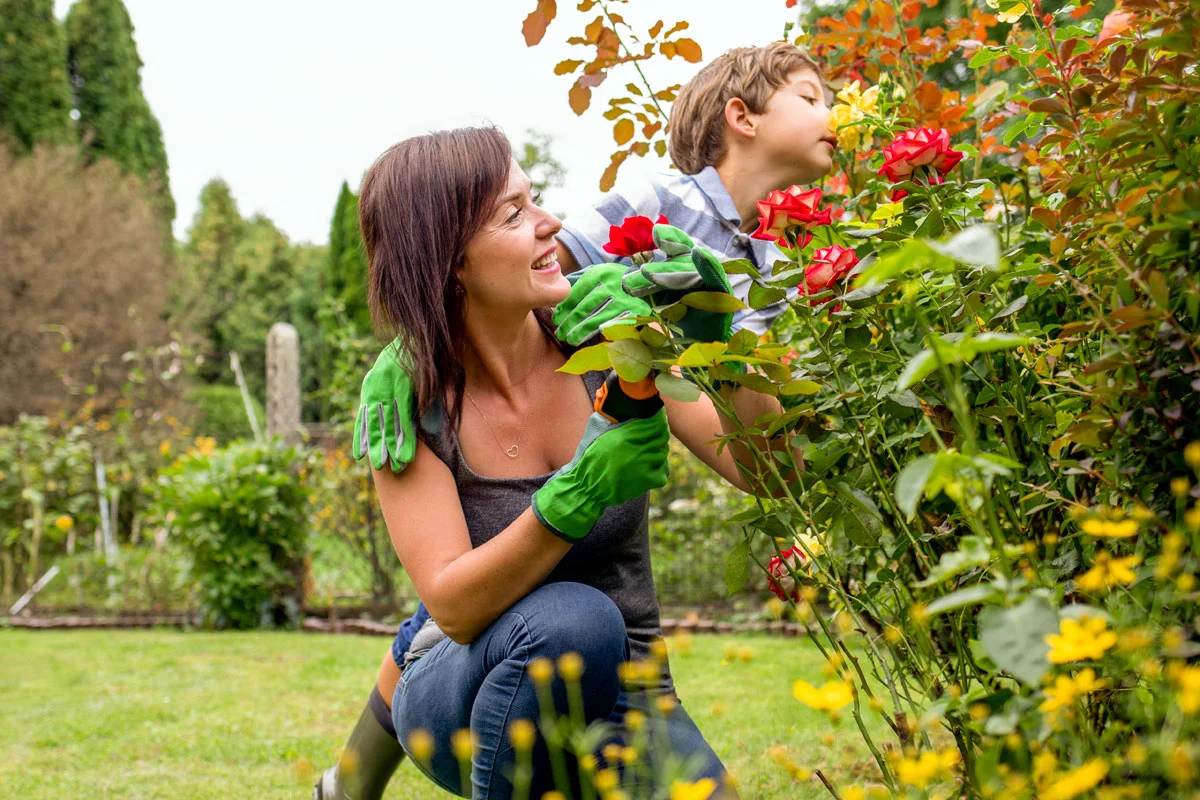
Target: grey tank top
(614, 558)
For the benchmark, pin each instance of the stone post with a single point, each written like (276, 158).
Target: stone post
(283, 383)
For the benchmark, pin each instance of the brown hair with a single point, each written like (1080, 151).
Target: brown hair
(750, 73)
(420, 204)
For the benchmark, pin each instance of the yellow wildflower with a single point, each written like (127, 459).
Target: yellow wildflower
(1077, 781)
(541, 670)
(635, 720)
(806, 540)
(1191, 454)
(1180, 486)
(462, 744)
(1109, 572)
(700, 790)
(833, 696)
(1077, 640)
(666, 703)
(1112, 529)
(926, 768)
(64, 522)
(1188, 680)
(1067, 690)
(1191, 518)
(570, 666)
(606, 780)
(420, 746)
(522, 733)
(854, 793)
(1118, 793)
(1044, 765)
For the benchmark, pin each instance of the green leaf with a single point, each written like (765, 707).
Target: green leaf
(887, 211)
(740, 266)
(676, 388)
(1015, 638)
(743, 342)
(991, 341)
(910, 484)
(1011, 308)
(971, 595)
(977, 246)
(716, 302)
(589, 359)
(917, 369)
(972, 552)
(858, 338)
(864, 523)
(701, 354)
(630, 358)
(792, 388)
(737, 567)
(863, 233)
(761, 296)
(986, 55)
(617, 330)
(854, 297)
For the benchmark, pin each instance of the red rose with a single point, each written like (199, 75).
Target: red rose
(779, 573)
(634, 235)
(828, 266)
(919, 147)
(791, 208)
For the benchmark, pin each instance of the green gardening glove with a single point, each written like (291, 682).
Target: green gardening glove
(688, 268)
(613, 463)
(604, 293)
(595, 299)
(385, 427)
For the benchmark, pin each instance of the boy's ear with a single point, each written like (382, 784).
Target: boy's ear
(739, 117)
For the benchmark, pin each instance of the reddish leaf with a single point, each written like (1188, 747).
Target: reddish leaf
(682, 25)
(655, 29)
(667, 49)
(580, 97)
(929, 96)
(1048, 104)
(536, 23)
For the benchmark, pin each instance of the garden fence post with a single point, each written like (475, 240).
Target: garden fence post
(283, 383)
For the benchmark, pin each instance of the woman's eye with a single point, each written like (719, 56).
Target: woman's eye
(515, 216)
(537, 198)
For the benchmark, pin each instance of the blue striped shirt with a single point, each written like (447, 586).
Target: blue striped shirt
(697, 204)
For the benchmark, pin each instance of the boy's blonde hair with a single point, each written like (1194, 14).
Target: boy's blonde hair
(750, 73)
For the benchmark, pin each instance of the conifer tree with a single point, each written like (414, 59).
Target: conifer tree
(35, 91)
(115, 121)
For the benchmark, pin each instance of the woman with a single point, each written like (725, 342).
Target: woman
(521, 518)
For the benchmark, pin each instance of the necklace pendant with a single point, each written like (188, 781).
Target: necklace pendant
(511, 452)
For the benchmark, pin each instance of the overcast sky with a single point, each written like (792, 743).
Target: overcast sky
(285, 100)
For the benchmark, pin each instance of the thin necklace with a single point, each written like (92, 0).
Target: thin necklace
(511, 452)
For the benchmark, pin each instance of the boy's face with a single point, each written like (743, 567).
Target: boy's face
(793, 130)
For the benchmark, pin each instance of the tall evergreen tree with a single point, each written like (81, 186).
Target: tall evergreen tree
(346, 272)
(210, 284)
(35, 92)
(115, 120)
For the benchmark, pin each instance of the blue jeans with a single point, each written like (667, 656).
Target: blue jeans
(485, 686)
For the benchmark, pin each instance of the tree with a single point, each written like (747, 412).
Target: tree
(35, 94)
(346, 280)
(208, 287)
(114, 118)
(82, 280)
(534, 156)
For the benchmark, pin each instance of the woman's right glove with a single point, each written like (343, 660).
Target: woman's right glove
(613, 463)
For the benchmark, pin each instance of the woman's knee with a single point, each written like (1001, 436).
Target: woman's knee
(573, 617)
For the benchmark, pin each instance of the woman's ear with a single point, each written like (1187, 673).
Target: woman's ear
(739, 117)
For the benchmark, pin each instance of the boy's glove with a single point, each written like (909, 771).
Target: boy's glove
(613, 463)
(385, 427)
(594, 301)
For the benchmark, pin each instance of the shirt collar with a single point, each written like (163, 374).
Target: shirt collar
(710, 184)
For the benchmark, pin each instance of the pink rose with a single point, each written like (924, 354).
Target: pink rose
(828, 266)
(790, 208)
(920, 147)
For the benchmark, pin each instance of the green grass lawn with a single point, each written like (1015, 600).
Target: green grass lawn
(169, 714)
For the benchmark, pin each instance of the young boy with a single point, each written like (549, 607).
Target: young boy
(753, 121)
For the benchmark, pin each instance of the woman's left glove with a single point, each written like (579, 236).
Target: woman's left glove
(385, 428)
(613, 463)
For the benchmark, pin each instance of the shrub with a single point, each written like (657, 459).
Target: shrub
(242, 512)
(221, 413)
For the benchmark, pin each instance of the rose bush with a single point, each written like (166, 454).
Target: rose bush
(996, 410)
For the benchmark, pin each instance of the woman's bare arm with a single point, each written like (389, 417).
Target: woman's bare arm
(465, 589)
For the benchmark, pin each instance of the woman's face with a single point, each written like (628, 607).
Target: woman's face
(510, 263)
